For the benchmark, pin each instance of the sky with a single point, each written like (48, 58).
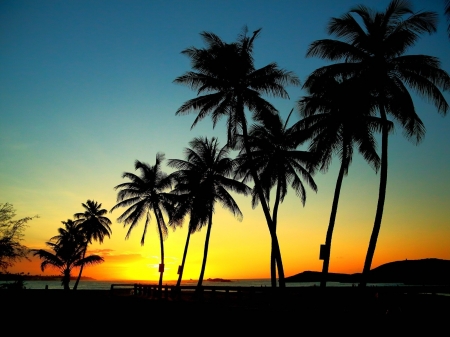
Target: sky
(86, 88)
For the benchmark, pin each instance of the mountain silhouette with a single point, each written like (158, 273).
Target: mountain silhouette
(430, 271)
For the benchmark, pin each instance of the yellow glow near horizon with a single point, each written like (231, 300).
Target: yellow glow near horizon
(242, 250)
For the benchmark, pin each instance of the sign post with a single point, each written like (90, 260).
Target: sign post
(324, 252)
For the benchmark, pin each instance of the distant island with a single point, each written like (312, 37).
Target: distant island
(413, 272)
(217, 280)
(26, 277)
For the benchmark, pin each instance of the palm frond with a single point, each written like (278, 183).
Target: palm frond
(226, 82)
(89, 260)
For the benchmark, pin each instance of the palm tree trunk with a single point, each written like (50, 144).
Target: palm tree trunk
(273, 266)
(381, 199)
(66, 279)
(81, 270)
(184, 258)
(161, 241)
(277, 251)
(272, 230)
(205, 252)
(334, 207)
(272, 255)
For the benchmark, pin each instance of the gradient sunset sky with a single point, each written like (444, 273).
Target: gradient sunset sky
(86, 88)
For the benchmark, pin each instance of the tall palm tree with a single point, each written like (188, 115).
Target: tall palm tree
(68, 252)
(279, 164)
(227, 82)
(142, 195)
(339, 115)
(375, 52)
(206, 176)
(94, 225)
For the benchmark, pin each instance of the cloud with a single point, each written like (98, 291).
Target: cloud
(102, 252)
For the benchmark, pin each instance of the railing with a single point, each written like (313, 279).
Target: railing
(152, 290)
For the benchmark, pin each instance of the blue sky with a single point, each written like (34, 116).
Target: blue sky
(86, 88)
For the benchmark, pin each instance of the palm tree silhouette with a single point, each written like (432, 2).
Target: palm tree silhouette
(205, 177)
(143, 195)
(274, 153)
(68, 252)
(94, 225)
(374, 52)
(227, 82)
(339, 115)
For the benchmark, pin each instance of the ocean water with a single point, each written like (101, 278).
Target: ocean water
(106, 285)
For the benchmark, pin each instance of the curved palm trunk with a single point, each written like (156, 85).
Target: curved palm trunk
(161, 241)
(272, 255)
(81, 270)
(334, 207)
(272, 229)
(381, 199)
(205, 252)
(184, 258)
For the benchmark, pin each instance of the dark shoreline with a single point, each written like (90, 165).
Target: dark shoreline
(290, 310)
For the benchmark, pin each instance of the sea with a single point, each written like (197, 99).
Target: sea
(106, 285)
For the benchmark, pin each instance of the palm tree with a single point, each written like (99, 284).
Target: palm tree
(274, 152)
(375, 53)
(94, 225)
(339, 115)
(143, 195)
(205, 176)
(68, 252)
(227, 82)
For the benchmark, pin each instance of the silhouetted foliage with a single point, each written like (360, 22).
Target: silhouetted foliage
(143, 195)
(68, 248)
(278, 163)
(374, 53)
(93, 225)
(226, 76)
(339, 115)
(11, 234)
(205, 178)
(227, 82)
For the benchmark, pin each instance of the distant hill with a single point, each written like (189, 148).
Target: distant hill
(425, 271)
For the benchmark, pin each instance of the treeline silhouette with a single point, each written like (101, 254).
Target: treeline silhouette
(363, 93)
(69, 247)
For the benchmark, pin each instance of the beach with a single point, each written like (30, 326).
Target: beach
(344, 309)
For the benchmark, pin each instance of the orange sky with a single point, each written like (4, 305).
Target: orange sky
(242, 249)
